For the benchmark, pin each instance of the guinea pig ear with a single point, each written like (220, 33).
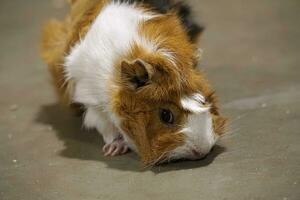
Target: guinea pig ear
(136, 73)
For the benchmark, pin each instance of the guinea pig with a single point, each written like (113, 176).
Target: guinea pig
(131, 68)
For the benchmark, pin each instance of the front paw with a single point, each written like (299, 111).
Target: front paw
(117, 147)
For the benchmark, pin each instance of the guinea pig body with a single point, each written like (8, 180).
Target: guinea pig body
(131, 66)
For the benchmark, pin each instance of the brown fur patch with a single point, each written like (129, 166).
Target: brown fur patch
(60, 36)
(141, 123)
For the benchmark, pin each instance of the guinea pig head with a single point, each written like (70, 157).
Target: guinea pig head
(166, 112)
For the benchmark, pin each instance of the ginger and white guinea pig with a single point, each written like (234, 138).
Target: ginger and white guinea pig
(131, 65)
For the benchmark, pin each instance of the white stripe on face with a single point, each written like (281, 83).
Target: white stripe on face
(198, 130)
(194, 103)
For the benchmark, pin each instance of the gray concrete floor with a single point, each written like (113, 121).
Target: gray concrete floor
(252, 57)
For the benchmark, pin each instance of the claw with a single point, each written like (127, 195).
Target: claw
(117, 147)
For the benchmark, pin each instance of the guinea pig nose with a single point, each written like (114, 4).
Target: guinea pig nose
(196, 153)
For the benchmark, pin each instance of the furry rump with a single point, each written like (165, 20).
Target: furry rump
(52, 48)
(59, 37)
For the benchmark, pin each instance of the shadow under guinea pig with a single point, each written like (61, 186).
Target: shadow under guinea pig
(190, 164)
(87, 145)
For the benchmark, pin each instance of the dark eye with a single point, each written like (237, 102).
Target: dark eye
(166, 116)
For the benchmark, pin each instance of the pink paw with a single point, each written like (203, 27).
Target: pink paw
(117, 147)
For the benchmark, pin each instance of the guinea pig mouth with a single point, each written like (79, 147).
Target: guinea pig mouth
(192, 155)
(169, 157)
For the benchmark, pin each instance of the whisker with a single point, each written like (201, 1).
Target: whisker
(239, 117)
(158, 160)
(230, 134)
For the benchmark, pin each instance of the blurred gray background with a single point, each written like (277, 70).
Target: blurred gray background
(251, 57)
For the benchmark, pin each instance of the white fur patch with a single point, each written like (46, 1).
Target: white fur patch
(100, 120)
(169, 55)
(198, 130)
(194, 103)
(200, 137)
